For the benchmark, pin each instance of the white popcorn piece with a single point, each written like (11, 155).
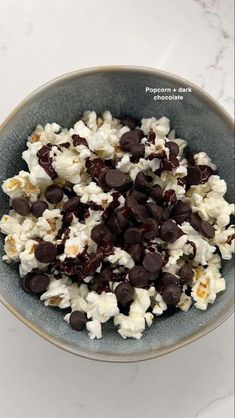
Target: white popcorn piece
(49, 224)
(160, 126)
(93, 193)
(21, 186)
(202, 158)
(57, 293)
(78, 296)
(158, 304)
(94, 329)
(185, 302)
(225, 241)
(101, 307)
(28, 261)
(9, 225)
(204, 251)
(13, 248)
(121, 258)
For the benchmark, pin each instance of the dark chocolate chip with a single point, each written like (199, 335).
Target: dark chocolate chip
(169, 231)
(95, 167)
(77, 320)
(155, 210)
(124, 293)
(173, 147)
(207, 230)
(141, 182)
(38, 283)
(165, 214)
(45, 252)
(129, 121)
(133, 235)
(138, 276)
(137, 252)
(189, 154)
(156, 193)
(21, 206)
(71, 204)
(152, 262)
(137, 152)
(115, 178)
(122, 217)
(54, 194)
(166, 279)
(171, 294)
(206, 173)
(139, 195)
(101, 181)
(139, 212)
(24, 282)
(114, 225)
(128, 139)
(195, 221)
(101, 234)
(38, 208)
(169, 164)
(170, 197)
(181, 212)
(150, 229)
(186, 273)
(193, 176)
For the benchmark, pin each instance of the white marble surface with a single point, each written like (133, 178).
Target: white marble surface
(38, 41)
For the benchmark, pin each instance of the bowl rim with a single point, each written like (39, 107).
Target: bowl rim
(217, 319)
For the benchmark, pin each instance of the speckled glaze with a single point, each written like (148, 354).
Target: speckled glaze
(198, 119)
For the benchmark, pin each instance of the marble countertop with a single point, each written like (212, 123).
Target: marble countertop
(40, 40)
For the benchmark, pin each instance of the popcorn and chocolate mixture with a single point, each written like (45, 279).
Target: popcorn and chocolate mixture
(117, 220)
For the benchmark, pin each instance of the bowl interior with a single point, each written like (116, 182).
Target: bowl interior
(122, 92)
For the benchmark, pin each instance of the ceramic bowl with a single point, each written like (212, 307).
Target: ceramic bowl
(122, 90)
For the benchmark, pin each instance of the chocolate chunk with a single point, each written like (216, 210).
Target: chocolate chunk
(115, 178)
(128, 139)
(189, 155)
(181, 212)
(155, 210)
(72, 204)
(21, 206)
(186, 273)
(152, 262)
(139, 195)
(137, 252)
(64, 145)
(207, 230)
(195, 221)
(38, 208)
(138, 277)
(150, 229)
(38, 283)
(173, 147)
(45, 252)
(77, 320)
(141, 182)
(54, 194)
(101, 234)
(45, 161)
(77, 140)
(124, 293)
(137, 152)
(171, 294)
(169, 231)
(133, 235)
(95, 167)
(129, 121)
(156, 193)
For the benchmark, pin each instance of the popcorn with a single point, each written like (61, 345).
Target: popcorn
(93, 193)
(121, 257)
(71, 232)
(57, 293)
(21, 185)
(101, 307)
(208, 283)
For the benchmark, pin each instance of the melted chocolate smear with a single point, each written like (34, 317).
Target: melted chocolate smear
(112, 206)
(45, 161)
(193, 245)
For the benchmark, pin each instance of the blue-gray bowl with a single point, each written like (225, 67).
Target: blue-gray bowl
(198, 119)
